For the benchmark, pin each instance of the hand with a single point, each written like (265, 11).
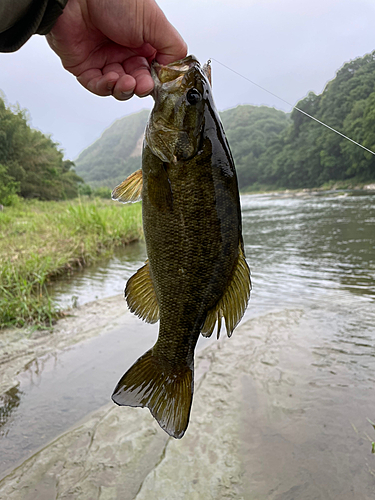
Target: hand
(108, 44)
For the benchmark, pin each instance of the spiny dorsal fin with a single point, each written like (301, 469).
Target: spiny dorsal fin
(140, 295)
(167, 393)
(130, 190)
(233, 303)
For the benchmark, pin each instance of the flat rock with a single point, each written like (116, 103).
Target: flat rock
(263, 425)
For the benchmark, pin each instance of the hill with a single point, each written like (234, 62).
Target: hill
(31, 164)
(308, 155)
(271, 149)
(251, 130)
(117, 153)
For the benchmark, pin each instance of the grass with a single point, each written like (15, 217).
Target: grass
(372, 442)
(40, 240)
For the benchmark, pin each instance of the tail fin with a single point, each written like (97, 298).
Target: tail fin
(167, 393)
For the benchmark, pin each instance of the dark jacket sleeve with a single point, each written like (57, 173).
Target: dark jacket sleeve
(28, 18)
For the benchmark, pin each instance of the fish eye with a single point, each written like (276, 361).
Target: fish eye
(193, 96)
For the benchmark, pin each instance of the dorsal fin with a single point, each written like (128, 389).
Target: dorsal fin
(130, 190)
(233, 303)
(140, 295)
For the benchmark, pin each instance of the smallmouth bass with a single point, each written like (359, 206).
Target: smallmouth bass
(196, 273)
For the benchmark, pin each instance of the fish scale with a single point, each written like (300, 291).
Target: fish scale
(196, 273)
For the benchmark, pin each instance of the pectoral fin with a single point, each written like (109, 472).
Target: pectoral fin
(140, 295)
(159, 190)
(233, 303)
(130, 190)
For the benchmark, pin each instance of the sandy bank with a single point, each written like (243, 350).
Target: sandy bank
(122, 453)
(19, 347)
(264, 425)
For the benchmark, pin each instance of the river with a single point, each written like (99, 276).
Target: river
(309, 251)
(300, 248)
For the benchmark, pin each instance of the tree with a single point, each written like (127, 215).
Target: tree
(32, 165)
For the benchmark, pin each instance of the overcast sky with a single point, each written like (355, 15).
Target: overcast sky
(287, 46)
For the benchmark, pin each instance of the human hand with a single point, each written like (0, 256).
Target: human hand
(108, 44)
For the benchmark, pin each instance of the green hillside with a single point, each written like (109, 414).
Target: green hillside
(307, 154)
(116, 154)
(250, 131)
(31, 164)
(271, 149)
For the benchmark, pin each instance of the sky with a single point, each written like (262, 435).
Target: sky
(290, 47)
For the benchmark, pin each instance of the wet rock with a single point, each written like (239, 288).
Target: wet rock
(122, 453)
(263, 425)
(108, 456)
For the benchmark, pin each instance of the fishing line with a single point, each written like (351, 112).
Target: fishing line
(295, 107)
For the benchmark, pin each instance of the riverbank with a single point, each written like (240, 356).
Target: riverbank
(19, 347)
(268, 422)
(329, 186)
(40, 240)
(280, 412)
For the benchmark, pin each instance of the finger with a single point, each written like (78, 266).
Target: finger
(105, 85)
(139, 68)
(145, 84)
(124, 88)
(97, 83)
(147, 51)
(116, 67)
(167, 41)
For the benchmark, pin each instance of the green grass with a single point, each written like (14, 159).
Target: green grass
(40, 240)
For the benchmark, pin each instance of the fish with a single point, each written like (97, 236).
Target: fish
(196, 276)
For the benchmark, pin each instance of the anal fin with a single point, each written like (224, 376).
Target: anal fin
(233, 303)
(130, 190)
(140, 295)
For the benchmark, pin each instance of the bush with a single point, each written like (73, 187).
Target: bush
(102, 192)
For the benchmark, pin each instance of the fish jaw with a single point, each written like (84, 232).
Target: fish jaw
(162, 73)
(175, 125)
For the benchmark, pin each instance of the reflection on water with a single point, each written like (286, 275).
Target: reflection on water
(303, 248)
(299, 248)
(313, 252)
(8, 402)
(100, 280)
(61, 388)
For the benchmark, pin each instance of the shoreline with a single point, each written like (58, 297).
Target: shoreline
(41, 240)
(263, 425)
(334, 187)
(19, 347)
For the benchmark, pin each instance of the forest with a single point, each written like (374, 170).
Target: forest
(31, 164)
(305, 154)
(272, 149)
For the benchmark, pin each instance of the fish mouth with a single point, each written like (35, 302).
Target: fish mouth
(173, 72)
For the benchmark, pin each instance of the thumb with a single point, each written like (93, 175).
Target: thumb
(166, 40)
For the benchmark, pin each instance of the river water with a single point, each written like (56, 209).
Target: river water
(300, 248)
(308, 251)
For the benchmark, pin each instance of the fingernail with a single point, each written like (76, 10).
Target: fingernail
(126, 95)
(145, 94)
